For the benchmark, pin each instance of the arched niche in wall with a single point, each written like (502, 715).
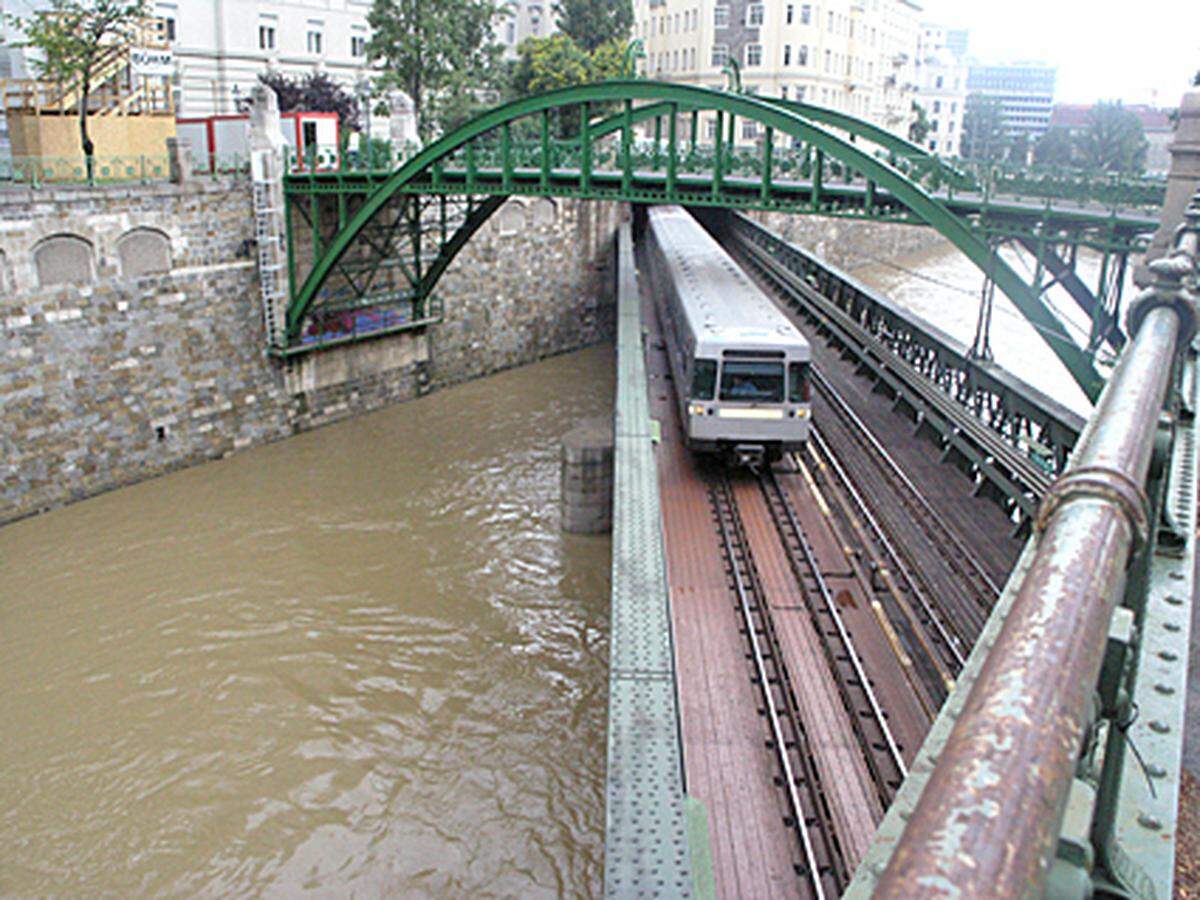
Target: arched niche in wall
(511, 219)
(543, 211)
(64, 259)
(144, 251)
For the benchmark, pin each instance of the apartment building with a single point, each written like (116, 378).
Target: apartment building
(521, 19)
(1025, 92)
(942, 88)
(858, 56)
(221, 46)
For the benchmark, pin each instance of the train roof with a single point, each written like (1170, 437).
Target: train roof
(723, 306)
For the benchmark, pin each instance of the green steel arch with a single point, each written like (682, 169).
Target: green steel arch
(426, 173)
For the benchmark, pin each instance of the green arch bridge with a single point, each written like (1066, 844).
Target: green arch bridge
(366, 239)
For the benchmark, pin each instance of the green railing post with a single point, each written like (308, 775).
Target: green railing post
(585, 148)
(657, 142)
(718, 153)
(672, 150)
(695, 131)
(626, 142)
(506, 172)
(472, 168)
(818, 173)
(544, 177)
(764, 189)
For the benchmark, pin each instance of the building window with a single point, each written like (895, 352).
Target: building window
(933, 126)
(939, 81)
(358, 45)
(791, 11)
(805, 13)
(754, 15)
(510, 32)
(802, 55)
(674, 60)
(749, 129)
(830, 28)
(933, 145)
(754, 54)
(828, 59)
(721, 16)
(711, 129)
(169, 28)
(266, 37)
(937, 106)
(783, 92)
(800, 93)
(314, 42)
(720, 53)
(787, 54)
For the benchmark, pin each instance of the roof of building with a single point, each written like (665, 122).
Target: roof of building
(1075, 115)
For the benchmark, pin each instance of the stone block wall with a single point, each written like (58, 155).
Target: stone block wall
(120, 370)
(850, 244)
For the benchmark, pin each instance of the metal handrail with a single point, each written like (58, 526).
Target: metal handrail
(988, 820)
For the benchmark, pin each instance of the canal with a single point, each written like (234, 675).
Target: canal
(361, 660)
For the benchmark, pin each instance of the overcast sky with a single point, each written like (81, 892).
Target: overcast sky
(1139, 52)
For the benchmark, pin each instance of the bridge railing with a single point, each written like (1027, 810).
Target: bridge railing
(1114, 190)
(990, 819)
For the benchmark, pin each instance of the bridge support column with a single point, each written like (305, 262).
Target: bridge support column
(587, 477)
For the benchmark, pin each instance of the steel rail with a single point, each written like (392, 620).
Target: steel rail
(725, 507)
(924, 515)
(808, 560)
(942, 637)
(987, 822)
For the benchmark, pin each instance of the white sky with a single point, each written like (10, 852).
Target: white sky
(1142, 52)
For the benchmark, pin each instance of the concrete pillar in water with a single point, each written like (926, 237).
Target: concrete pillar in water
(587, 477)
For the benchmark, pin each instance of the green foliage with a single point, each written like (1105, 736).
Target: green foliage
(593, 23)
(1018, 149)
(984, 134)
(545, 64)
(73, 37)
(1055, 148)
(919, 129)
(1113, 140)
(442, 53)
(315, 92)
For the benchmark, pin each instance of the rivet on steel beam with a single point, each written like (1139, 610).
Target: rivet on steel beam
(1159, 727)
(1171, 626)
(1168, 655)
(1176, 576)
(1148, 821)
(1164, 689)
(1156, 771)
(1174, 601)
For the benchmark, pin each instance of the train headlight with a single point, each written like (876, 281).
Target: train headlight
(696, 409)
(802, 413)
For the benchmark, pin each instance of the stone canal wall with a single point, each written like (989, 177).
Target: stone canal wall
(133, 342)
(850, 244)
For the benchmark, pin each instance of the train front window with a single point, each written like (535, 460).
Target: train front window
(704, 379)
(798, 388)
(761, 382)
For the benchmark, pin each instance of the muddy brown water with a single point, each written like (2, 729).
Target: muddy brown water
(361, 661)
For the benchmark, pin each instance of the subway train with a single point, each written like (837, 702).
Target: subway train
(740, 368)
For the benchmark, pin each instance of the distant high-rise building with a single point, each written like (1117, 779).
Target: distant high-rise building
(941, 90)
(1025, 92)
(956, 41)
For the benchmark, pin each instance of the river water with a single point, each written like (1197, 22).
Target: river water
(363, 660)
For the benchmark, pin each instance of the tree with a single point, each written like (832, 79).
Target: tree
(592, 23)
(74, 36)
(984, 134)
(919, 128)
(315, 92)
(1018, 149)
(442, 53)
(545, 64)
(1055, 148)
(1113, 140)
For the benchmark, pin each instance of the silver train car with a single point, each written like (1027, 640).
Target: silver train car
(740, 367)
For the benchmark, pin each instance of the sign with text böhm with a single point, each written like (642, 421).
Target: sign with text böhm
(152, 63)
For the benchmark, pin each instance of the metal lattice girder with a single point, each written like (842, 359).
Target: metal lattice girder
(427, 173)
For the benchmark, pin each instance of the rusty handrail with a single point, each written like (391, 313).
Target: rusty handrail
(988, 820)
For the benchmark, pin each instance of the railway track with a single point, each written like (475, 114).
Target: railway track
(824, 867)
(956, 608)
(882, 752)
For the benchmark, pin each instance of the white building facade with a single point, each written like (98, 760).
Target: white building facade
(857, 56)
(521, 19)
(941, 90)
(221, 46)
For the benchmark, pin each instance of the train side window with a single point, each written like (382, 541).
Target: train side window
(799, 390)
(704, 379)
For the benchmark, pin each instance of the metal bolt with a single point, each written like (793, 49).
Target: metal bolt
(1171, 626)
(1168, 655)
(1159, 726)
(1148, 821)
(1164, 689)
(1174, 601)
(1156, 771)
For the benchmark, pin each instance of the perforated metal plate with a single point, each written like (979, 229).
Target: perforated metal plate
(646, 844)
